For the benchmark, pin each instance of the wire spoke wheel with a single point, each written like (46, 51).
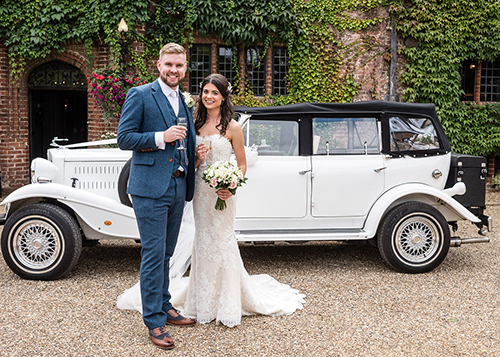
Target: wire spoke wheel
(37, 243)
(417, 238)
(41, 241)
(413, 237)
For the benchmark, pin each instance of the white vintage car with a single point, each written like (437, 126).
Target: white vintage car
(380, 172)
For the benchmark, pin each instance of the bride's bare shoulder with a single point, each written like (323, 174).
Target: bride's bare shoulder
(233, 130)
(234, 126)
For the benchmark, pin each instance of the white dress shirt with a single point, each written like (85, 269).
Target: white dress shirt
(173, 97)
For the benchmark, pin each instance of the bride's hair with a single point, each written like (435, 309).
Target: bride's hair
(226, 108)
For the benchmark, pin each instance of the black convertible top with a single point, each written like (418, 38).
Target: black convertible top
(381, 109)
(374, 106)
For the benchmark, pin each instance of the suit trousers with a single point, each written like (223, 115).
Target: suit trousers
(159, 221)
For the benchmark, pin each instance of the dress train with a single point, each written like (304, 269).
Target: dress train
(218, 287)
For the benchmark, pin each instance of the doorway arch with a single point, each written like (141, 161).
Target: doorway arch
(58, 106)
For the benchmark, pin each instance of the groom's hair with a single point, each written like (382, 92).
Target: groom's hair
(172, 48)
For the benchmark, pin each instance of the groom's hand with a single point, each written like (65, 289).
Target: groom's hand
(175, 132)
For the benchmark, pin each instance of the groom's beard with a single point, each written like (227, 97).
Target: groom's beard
(171, 81)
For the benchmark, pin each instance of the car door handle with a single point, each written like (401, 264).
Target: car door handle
(304, 172)
(379, 169)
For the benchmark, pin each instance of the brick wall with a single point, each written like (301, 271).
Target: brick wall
(368, 57)
(14, 111)
(13, 127)
(4, 109)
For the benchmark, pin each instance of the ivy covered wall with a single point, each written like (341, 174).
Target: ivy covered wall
(439, 37)
(311, 30)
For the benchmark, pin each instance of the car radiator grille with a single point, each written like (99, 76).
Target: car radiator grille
(97, 185)
(98, 169)
(100, 178)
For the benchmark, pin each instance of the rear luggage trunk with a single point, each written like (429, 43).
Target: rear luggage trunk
(471, 170)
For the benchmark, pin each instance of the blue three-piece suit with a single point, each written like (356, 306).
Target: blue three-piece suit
(158, 197)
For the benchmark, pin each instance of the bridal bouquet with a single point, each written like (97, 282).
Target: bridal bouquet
(223, 175)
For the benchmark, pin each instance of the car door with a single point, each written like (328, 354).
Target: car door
(277, 186)
(416, 152)
(347, 169)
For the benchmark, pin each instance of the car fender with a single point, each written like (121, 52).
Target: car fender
(442, 200)
(99, 217)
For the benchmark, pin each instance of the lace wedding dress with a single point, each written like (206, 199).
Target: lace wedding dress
(218, 287)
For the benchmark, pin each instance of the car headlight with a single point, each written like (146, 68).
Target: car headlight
(43, 170)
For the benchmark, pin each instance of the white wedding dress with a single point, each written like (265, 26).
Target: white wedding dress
(218, 287)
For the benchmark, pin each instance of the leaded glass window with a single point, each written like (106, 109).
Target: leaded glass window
(280, 70)
(57, 74)
(256, 70)
(199, 65)
(228, 62)
(490, 81)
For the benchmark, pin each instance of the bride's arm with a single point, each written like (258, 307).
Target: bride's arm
(235, 136)
(238, 142)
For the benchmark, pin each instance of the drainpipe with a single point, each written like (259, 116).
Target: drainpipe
(392, 68)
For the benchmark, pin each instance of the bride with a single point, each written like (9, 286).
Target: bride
(218, 287)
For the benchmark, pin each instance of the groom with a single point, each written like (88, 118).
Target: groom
(161, 180)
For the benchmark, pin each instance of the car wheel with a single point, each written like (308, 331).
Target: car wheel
(123, 184)
(414, 237)
(41, 241)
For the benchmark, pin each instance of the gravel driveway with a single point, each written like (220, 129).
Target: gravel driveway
(356, 306)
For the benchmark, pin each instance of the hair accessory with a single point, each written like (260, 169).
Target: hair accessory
(229, 87)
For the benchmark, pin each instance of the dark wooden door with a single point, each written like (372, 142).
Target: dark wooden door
(56, 113)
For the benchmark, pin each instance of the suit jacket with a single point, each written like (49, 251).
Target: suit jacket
(146, 111)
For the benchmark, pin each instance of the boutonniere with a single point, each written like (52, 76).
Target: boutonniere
(188, 99)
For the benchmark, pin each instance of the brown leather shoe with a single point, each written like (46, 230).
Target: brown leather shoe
(176, 319)
(161, 338)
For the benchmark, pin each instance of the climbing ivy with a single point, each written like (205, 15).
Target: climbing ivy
(440, 36)
(311, 31)
(34, 28)
(316, 56)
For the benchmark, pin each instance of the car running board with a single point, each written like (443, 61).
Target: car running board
(301, 235)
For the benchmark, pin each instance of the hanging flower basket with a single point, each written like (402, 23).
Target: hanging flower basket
(110, 86)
